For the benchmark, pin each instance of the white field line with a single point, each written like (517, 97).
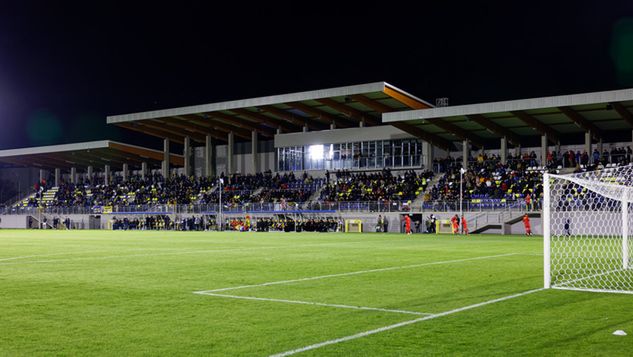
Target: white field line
(314, 303)
(355, 273)
(567, 283)
(400, 324)
(48, 255)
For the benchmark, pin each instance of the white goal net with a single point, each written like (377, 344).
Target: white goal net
(586, 228)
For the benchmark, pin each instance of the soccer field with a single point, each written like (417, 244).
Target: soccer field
(261, 294)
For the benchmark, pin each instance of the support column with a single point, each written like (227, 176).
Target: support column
(143, 169)
(427, 155)
(543, 150)
(588, 142)
(106, 177)
(57, 174)
(600, 148)
(229, 153)
(42, 175)
(165, 167)
(73, 175)
(278, 131)
(305, 128)
(209, 156)
(332, 126)
(126, 172)
(504, 150)
(89, 173)
(361, 124)
(465, 153)
(254, 152)
(186, 153)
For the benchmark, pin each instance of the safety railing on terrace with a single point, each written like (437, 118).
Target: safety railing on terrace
(478, 205)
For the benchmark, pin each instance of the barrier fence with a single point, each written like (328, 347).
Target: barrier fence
(473, 205)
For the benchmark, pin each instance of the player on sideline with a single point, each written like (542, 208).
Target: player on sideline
(407, 224)
(464, 226)
(526, 223)
(455, 222)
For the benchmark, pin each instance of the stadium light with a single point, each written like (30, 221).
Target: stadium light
(315, 152)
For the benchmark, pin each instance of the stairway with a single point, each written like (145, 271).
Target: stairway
(420, 199)
(48, 197)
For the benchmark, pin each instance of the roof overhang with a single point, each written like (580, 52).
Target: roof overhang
(555, 116)
(342, 106)
(93, 153)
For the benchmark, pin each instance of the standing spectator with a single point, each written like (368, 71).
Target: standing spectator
(567, 227)
(528, 202)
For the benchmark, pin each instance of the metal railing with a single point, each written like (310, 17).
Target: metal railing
(475, 205)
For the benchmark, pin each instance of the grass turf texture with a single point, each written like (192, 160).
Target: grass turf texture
(131, 293)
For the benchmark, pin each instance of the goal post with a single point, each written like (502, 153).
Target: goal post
(586, 230)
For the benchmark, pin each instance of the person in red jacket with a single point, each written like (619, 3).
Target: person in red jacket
(455, 223)
(464, 226)
(526, 223)
(407, 224)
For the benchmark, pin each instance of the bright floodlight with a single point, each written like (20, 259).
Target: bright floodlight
(315, 152)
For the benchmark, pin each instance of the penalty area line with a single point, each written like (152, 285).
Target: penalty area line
(401, 324)
(356, 273)
(314, 303)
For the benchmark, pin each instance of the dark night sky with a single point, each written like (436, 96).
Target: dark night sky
(64, 68)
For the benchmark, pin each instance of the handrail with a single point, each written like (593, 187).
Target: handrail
(313, 206)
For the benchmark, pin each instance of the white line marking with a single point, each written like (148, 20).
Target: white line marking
(355, 273)
(314, 303)
(48, 255)
(400, 324)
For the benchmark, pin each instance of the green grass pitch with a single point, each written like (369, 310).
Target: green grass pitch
(69, 293)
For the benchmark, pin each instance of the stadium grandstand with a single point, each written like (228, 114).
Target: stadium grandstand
(318, 160)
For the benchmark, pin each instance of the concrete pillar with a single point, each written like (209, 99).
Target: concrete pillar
(106, 176)
(543, 149)
(143, 169)
(427, 155)
(57, 174)
(254, 151)
(361, 124)
(126, 172)
(332, 126)
(165, 167)
(504, 150)
(89, 173)
(588, 142)
(42, 175)
(305, 128)
(186, 153)
(209, 157)
(278, 131)
(600, 147)
(229, 154)
(465, 153)
(73, 175)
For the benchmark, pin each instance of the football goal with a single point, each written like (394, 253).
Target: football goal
(586, 228)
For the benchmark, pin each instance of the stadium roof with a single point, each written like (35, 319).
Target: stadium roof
(342, 106)
(555, 116)
(93, 153)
